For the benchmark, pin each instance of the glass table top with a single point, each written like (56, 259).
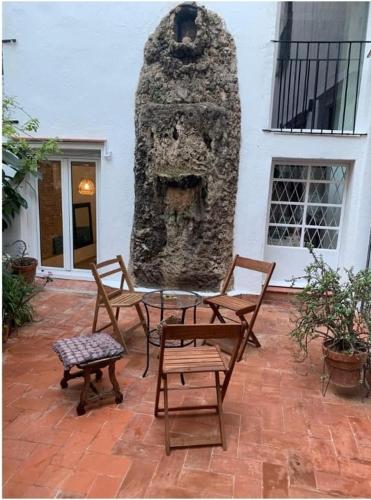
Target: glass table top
(171, 299)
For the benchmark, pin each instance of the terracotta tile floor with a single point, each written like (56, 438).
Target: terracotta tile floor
(284, 438)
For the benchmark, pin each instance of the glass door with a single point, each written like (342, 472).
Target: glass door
(67, 214)
(84, 205)
(50, 214)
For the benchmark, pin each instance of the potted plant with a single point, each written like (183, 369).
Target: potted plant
(17, 309)
(336, 307)
(22, 264)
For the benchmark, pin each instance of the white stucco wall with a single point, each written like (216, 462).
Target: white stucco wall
(75, 66)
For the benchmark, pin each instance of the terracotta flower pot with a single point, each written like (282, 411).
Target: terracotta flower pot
(25, 267)
(344, 369)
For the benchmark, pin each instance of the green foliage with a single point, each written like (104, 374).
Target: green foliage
(334, 308)
(16, 298)
(20, 159)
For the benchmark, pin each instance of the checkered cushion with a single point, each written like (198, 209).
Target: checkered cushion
(86, 348)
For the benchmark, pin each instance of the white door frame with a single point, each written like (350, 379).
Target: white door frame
(67, 271)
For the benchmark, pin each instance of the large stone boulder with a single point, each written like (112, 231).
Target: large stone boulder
(187, 153)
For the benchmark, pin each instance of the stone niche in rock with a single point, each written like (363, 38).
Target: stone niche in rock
(187, 125)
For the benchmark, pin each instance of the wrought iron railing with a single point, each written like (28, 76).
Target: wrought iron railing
(317, 86)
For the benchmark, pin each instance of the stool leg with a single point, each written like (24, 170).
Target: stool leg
(98, 374)
(84, 393)
(112, 376)
(66, 377)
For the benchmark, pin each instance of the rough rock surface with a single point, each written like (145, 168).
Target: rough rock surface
(187, 153)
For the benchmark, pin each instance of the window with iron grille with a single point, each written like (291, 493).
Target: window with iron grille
(320, 54)
(306, 205)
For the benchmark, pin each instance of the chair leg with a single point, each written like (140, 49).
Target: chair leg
(220, 410)
(213, 316)
(116, 328)
(253, 339)
(117, 313)
(158, 391)
(249, 333)
(216, 313)
(166, 413)
(112, 376)
(141, 318)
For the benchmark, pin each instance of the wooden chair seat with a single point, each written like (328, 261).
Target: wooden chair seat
(124, 299)
(235, 304)
(193, 360)
(241, 307)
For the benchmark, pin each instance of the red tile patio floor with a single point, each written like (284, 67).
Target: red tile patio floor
(284, 438)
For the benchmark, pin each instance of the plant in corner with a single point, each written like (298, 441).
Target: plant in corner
(338, 309)
(17, 293)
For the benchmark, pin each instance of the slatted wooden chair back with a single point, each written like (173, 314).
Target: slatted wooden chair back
(242, 306)
(115, 297)
(196, 360)
(259, 266)
(99, 273)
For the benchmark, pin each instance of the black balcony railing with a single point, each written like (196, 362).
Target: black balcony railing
(317, 86)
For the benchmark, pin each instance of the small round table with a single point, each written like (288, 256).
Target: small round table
(168, 300)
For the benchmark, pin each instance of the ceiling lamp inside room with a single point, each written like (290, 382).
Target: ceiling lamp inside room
(86, 187)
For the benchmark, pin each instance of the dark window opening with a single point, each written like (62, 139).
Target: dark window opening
(321, 48)
(185, 26)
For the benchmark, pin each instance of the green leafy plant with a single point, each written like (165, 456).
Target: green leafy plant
(20, 159)
(334, 307)
(17, 293)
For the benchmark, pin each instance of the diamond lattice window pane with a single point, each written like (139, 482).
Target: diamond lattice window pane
(323, 216)
(286, 214)
(333, 173)
(288, 191)
(284, 236)
(321, 238)
(326, 193)
(290, 171)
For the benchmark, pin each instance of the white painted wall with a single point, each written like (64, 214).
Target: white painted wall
(76, 66)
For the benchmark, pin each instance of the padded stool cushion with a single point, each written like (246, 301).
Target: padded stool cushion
(86, 348)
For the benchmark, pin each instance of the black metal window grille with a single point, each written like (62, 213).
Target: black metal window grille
(317, 85)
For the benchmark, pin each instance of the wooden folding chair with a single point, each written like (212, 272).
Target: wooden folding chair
(241, 307)
(116, 298)
(195, 360)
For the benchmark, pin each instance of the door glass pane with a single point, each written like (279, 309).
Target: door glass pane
(323, 216)
(284, 236)
(288, 191)
(321, 238)
(286, 214)
(50, 210)
(84, 214)
(326, 193)
(334, 173)
(290, 172)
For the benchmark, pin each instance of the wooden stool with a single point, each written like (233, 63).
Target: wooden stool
(90, 353)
